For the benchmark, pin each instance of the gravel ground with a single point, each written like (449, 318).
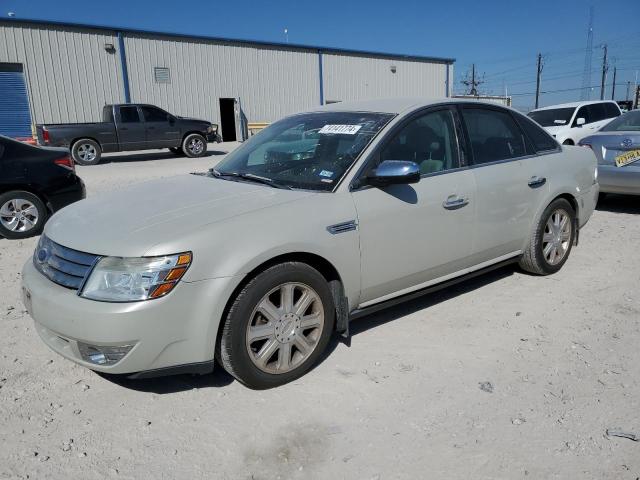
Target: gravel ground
(505, 376)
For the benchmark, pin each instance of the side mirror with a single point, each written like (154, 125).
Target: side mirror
(580, 121)
(394, 172)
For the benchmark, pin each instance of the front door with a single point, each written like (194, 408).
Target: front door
(160, 128)
(418, 234)
(130, 128)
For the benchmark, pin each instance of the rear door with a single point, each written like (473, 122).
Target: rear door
(160, 127)
(418, 234)
(505, 199)
(130, 128)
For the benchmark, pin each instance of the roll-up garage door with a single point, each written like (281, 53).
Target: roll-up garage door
(15, 118)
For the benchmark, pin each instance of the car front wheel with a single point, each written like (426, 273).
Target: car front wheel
(278, 326)
(552, 239)
(194, 145)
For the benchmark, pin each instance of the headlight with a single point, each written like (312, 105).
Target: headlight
(210, 129)
(115, 279)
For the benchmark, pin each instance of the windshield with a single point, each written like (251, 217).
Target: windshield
(309, 151)
(629, 122)
(554, 117)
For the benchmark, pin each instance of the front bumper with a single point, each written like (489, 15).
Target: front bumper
(623, 180)
(178, 329)
(213, 137)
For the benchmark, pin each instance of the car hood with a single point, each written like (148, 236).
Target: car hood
(194, 119)
(130, 221)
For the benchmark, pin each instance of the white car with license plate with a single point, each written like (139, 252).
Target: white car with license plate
(318, 219)
(571, 122)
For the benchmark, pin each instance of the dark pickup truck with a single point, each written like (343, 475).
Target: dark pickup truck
(130, 127)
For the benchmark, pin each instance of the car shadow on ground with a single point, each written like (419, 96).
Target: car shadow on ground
(141, 157)
(619, 204)
(220, 378)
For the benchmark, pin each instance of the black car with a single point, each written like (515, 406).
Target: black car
(34, 183)
(130, 127)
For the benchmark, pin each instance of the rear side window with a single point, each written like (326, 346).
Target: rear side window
(542, 141)
(107, 114)
(612, 110)
(153, 114)
(494, 135)
(129, 115)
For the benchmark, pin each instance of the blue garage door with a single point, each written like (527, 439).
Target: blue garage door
(15, 118)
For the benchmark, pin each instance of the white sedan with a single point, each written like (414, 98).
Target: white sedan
(320, 218)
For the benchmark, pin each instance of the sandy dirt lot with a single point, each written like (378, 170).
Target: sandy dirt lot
(505, 376)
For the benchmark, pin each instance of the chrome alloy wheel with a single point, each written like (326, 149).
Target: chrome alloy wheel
(285, 328)
(556, 237)
(18, 215)
(196, 146)
(86, 152)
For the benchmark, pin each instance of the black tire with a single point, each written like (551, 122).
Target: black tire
(601, 196)
(176, 150)
(233, 349)
(534, 260)
(9, 198)
(568, 142)
(194, 145)
(86, 152)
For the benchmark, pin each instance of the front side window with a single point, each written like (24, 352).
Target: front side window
(129, 115)
(429, 141)
(493, 134)
(309, 151)
(584, 112)
(597, 112)
(612, 110)
(552, 117)
(154, 114)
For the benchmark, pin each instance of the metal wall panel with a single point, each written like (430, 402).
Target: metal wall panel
(69, 74)
(349, 77)
(270, 82)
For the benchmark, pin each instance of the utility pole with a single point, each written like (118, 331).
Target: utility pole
(605, 67)
(628, 89)
(473, 83)
(538, 78)
(613, 87)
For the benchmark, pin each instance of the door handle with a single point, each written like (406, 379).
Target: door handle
(536, 182)
(453, 202)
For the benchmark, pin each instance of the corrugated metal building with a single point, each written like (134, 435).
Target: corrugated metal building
(68, 72)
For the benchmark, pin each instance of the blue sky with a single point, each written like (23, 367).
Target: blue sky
(501, 37)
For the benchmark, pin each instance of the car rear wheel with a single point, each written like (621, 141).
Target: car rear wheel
(86, 152)
(278, 326)
(22, 214)
(194, 145)
(552, 239)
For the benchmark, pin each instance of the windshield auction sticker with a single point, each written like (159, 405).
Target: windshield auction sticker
(340, 129)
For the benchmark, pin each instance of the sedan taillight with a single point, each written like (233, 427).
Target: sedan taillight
(45, 135)
(66, 162)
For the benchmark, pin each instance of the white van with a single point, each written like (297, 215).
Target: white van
(571, 122)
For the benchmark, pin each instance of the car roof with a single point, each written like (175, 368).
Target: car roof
(396, 105)
(572, 105)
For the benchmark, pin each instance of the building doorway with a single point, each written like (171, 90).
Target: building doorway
(228, 119)
(15, 114)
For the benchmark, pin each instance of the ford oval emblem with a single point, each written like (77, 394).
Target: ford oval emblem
(627, 142)
(43, 255)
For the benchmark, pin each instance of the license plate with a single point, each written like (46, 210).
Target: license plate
(627, 158)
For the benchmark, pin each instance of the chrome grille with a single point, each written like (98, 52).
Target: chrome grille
(62, 265)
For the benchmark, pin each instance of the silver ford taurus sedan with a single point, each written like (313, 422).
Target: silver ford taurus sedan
(617, 148)
(320, 218)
